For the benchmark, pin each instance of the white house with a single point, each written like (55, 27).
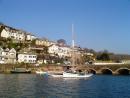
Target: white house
(27, 58)
(12, 56)
(1, 56)
(8, 32)
(5, 34)
(30, 37)
(17, 35)
(61, 51)
(8, 56)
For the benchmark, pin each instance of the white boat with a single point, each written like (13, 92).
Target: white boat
(41, 72)
(55, 75)
(73, 73)
(76, 75)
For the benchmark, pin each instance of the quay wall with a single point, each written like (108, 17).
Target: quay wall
(6, 68)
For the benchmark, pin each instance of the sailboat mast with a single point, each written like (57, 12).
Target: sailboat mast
(73, 36)
(73, 44)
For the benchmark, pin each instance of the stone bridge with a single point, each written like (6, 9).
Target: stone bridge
(123, 69)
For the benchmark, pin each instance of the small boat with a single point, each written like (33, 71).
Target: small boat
(20, 70)
(41, 72)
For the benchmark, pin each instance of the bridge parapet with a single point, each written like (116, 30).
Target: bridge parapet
(122, 69)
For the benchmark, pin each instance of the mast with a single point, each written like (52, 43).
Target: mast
(73, 44)
(73, 36)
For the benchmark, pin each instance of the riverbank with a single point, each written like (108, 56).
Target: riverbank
(6, 68)
(95, 69)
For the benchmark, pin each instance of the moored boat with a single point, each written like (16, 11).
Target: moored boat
(76, 75)
(56, 75)
(20, 70)
(41, 72)
(73, 73)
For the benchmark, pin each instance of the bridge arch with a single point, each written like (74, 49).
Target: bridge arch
(123, 71)
(106, 71)
(93, 71)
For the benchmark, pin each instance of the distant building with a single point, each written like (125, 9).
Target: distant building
(27, 58)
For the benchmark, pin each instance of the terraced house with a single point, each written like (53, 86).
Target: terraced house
(44, 42)
(9, 32)
(15, 34)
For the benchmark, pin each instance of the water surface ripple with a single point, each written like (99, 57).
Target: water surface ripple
(38, 86)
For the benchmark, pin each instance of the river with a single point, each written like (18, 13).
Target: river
(38, 86)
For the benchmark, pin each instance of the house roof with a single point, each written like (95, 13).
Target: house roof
(12, 50)
(28, 53)
(1, 49)
(7, 50)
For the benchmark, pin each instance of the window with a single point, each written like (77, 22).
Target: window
(25, 60)
(30, 61)
(33, 61)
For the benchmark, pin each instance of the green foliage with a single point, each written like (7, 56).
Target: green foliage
(33, 42)
(104, 56)
(8, 43)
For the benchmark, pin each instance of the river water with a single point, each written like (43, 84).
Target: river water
(38, 86)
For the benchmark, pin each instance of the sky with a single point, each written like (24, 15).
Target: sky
(98, 24)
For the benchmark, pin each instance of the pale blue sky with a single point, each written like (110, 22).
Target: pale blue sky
(99, 24)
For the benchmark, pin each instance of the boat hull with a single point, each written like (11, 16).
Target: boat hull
(19, 72)
(56, 75)
(75, 75)
(41, 72)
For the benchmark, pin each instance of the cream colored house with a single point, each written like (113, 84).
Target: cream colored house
(61, 51)
(12, 33)
(12, 56)
(5, 34)
(17, 35)
(44, 42)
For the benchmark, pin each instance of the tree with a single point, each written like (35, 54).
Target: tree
(61, 42)
(103, 56)
(33, 42)
(45, 50)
